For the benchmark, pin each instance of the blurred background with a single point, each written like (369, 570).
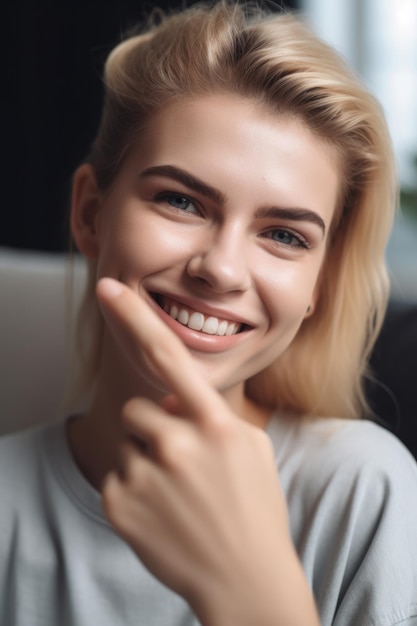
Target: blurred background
(52, 96)
(379, 39)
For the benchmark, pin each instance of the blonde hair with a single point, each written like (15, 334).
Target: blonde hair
(276, 60)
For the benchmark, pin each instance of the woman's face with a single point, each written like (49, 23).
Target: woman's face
(219, 219)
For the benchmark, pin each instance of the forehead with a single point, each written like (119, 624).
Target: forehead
(215, 111)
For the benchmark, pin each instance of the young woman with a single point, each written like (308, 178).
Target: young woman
(234, 211)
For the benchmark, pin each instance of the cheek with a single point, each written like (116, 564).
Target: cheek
(287, 290)
(141, 245)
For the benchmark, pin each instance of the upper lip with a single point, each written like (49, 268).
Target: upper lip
(203, 307)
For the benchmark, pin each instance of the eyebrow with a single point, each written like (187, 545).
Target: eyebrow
(187, 179)
(292, 214)
(197, 185)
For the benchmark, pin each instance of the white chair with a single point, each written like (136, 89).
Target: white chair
(34, 335)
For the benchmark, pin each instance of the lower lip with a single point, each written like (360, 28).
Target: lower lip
(196, 340)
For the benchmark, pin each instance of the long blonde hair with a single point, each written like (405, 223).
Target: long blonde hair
(276, 60)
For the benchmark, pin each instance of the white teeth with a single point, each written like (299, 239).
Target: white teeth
(211, 326)
(196, 321)
(230, 329)
(183, 317)
(222, 328)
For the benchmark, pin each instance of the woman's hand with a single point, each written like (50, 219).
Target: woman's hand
(197, 494)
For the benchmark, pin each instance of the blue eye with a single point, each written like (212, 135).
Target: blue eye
(178, 202)
(283, 236)
(287, 238)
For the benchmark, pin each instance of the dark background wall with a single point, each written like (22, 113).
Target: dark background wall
(52, 97)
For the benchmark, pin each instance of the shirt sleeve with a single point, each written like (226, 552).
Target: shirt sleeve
(352, 498)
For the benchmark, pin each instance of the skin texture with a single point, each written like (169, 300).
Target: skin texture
(171, 425)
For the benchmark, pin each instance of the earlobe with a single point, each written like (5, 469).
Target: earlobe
(309, 312)
(85, 207)
(313, 300)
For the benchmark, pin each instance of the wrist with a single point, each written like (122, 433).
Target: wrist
(273, 595)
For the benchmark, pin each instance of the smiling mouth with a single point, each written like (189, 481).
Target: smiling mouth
(195, 320)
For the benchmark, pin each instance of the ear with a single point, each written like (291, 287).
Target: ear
(85, 207)
(314, 298)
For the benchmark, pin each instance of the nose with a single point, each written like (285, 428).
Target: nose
(223, 263)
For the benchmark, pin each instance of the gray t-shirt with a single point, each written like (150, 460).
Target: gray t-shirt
(351, 489)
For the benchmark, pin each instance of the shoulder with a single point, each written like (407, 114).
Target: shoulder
(348, 465)
(345, 450)
(23, 464)
(351, 489)
(19, 449)
(355, 471)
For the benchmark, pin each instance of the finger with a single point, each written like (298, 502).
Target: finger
(171, 405)
(131, 451)
(148, 424)
(159, 436)
(122, 500)
(138, 329)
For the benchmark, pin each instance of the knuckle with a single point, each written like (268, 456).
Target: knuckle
(177, 451)
(220, 429)
(131, 470)
(112, 498)
(130, 410)
(264, 443)
(128, 473)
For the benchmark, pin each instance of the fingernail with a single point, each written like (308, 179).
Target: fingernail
(110, 287)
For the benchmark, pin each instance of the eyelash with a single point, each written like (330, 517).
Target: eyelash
(166, 196)
(297, 240)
